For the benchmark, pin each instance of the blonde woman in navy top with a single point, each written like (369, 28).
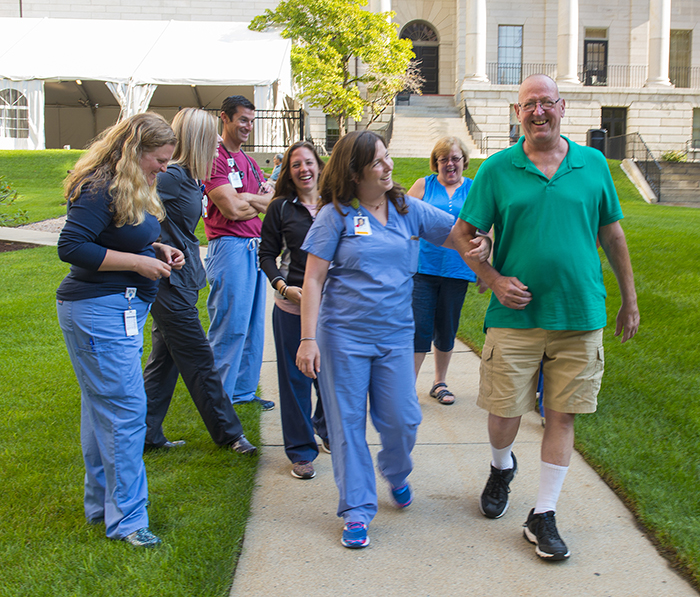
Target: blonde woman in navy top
(109, 240)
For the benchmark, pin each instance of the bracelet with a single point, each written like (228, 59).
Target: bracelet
(283, 292)
(314, 339)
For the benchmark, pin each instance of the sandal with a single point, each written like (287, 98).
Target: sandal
(443, 396)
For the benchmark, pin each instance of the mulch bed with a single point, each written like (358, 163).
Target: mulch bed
(6, 245)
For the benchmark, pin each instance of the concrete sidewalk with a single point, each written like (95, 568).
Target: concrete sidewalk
(441, 545)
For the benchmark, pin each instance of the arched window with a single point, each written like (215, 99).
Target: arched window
(426, 49)
(14, 114)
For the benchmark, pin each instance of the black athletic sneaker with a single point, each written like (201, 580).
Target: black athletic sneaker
(541, 529)
(494, 498)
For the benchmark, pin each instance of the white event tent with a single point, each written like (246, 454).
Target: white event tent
(85, 73)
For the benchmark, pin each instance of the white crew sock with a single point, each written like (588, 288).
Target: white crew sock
(503, 458)
(551, 479)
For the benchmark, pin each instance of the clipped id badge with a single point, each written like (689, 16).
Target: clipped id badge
(235, 179)
(361, 225)
(131, 322)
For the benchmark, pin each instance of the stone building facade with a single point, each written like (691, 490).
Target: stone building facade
(629, 66)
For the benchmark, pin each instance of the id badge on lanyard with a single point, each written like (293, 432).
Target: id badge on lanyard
(131, 322)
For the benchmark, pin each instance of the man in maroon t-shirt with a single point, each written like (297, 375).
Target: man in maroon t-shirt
(235, 194)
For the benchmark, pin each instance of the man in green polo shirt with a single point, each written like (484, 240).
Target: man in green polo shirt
(548, 201)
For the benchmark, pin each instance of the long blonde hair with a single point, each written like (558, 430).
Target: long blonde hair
(113, 161)
(196, 141)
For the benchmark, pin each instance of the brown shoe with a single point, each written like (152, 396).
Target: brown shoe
(303, 470)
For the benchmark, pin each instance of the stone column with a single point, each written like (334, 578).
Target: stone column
(476, 42)
(659, 43)
(567, 42)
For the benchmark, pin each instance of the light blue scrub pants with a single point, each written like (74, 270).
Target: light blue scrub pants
(236, 307)
(107, 364)
(349, 371)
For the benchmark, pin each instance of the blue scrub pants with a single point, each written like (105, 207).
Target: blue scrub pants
(349, 371)
(236, 307)
(295, 392)
(107, 364)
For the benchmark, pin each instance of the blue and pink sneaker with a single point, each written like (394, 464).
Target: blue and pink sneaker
(402, 496)
(355, 535)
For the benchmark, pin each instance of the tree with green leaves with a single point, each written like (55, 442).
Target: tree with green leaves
(345, 60)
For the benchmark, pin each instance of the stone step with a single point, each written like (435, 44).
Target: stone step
(417, 127)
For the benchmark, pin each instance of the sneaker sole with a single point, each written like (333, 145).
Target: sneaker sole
(481, 509)
(301, 476)
(554, 557)
(354, 545)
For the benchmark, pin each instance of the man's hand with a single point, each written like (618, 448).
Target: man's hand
(627, 320)
(511, 292)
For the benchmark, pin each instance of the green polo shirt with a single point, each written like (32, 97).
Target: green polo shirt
(545, 235)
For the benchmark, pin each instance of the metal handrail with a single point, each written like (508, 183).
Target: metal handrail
(474, 131)
(486, 147)
(692, 150)
(637, 150)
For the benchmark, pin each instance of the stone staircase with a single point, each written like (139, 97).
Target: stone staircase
(680, 183)
(424, 121)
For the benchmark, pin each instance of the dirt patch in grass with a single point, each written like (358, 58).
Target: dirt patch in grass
(6, 245)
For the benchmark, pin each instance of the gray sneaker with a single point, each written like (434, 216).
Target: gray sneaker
(142, 538)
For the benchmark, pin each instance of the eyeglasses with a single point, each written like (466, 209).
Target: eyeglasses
(545, 104)
(454, 159)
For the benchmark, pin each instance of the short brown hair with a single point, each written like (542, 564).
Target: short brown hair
(443, 147)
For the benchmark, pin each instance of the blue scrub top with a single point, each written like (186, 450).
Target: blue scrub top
(368, 291)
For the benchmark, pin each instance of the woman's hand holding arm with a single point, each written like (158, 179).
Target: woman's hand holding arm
(170, 255)
(148, 267)
(308, 356)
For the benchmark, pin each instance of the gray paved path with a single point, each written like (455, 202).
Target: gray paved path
(441, 545)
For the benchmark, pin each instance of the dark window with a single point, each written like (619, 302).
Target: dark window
(679, 57)
(614, 120)
(595, 62)
(510, 54)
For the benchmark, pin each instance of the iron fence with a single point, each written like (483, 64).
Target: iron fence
(612, 75)
(275, 130)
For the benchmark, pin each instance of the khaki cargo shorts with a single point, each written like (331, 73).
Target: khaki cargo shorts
(573, 363)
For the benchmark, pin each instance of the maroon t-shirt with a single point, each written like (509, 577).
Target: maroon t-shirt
(226, 165)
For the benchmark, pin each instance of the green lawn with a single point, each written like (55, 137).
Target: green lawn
(643, 439)
(37, 176)
(200, 494)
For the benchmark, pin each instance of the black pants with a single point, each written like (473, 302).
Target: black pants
(181, 346)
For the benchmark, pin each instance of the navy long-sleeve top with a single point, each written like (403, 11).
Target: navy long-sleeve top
(84, 240)
(182, 197)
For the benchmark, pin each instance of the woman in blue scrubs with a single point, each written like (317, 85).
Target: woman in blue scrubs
(109, 240)
(357, 323)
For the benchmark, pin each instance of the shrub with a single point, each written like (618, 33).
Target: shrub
(674, 156)
(7, 199)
